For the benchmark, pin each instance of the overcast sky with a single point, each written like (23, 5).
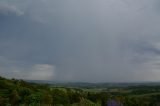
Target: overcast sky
(80, 40)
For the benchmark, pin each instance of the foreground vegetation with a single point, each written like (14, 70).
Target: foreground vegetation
(21, 93)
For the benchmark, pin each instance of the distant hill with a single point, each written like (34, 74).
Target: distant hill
(94, 85)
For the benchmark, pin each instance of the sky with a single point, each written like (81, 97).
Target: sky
(80, 40)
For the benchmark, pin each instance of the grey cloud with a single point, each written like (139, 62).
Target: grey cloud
(92, 41)
(24, 70)
(6, 9)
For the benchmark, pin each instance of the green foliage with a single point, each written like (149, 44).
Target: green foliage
(85, 102)
(35, 98)
(4, 101)
(21, 93)
(14, 98)
(60, 97)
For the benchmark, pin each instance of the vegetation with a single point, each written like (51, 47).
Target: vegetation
(21, 93)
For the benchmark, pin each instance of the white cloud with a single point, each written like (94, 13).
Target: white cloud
(21, 70)
(41, 72)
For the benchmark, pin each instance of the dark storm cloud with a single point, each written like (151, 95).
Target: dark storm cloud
(108, 40)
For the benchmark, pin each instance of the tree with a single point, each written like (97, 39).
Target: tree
(14, 98)
(35, 98)
(47, 98)
(60, 97)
